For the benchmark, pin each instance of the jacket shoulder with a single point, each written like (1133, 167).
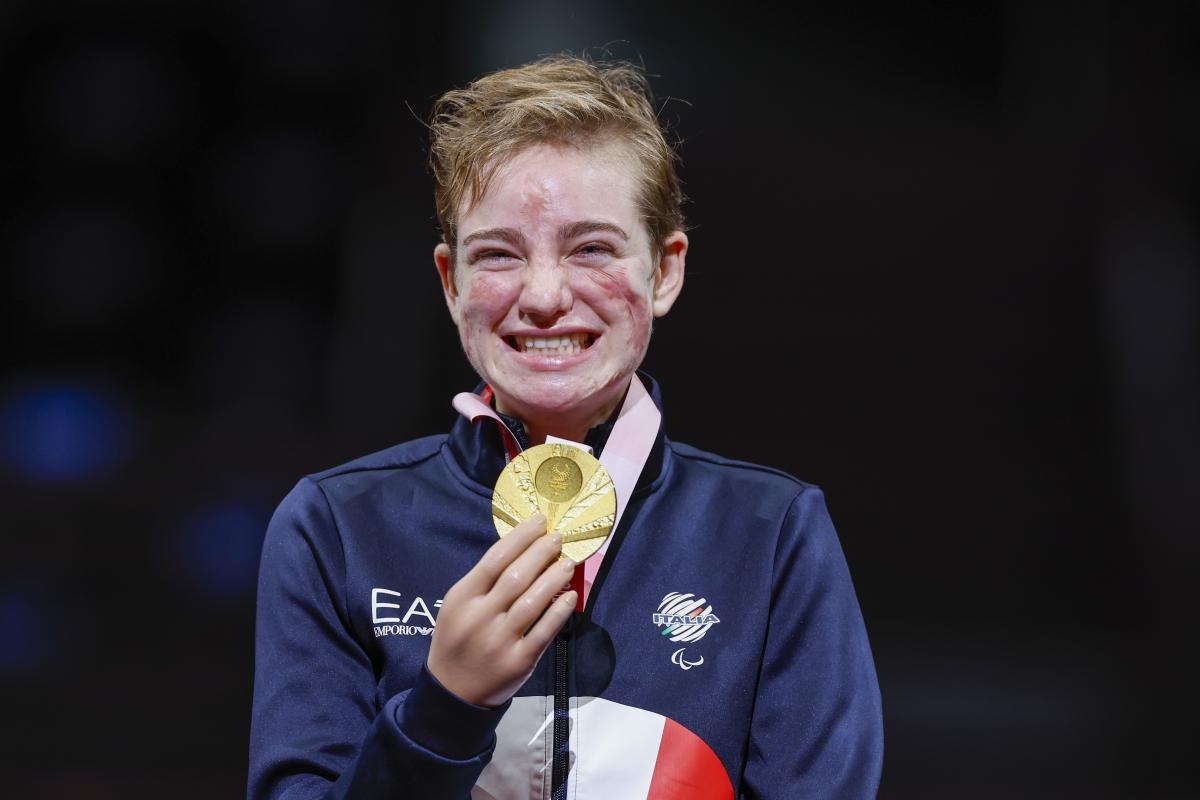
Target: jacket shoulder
(398, 456)
(740, 470)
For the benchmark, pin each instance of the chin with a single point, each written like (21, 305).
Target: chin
(548, 399)
(544, 397)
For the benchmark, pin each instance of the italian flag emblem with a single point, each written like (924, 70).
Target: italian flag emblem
(616, 751)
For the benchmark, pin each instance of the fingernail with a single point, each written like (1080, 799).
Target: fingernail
(555, 538)
(568, 563)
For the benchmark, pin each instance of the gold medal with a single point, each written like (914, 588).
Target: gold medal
(565, 483)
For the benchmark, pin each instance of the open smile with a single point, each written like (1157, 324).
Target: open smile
(567, 344)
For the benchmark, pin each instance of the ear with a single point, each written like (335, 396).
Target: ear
(669, 281)
(443, 259)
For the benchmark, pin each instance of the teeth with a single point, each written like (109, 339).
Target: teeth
(554, 345)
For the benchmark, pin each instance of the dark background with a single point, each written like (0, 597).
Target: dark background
(957, 243)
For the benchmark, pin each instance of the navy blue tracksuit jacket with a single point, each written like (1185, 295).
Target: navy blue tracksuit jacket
(722, 653)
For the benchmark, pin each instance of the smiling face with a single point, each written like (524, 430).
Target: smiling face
(554, 284)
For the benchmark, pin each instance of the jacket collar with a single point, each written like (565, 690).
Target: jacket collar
(479, 449)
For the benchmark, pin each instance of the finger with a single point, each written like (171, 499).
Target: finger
(521, 573)
(534, 601)
(542, 633)
(483, 575)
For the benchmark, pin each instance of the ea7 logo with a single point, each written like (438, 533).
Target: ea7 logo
(417, 608)
(684, 617)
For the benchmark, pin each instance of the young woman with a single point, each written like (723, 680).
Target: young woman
(715, 649)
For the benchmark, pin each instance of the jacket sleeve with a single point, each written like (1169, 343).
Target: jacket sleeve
(317, 729)
(817, 730)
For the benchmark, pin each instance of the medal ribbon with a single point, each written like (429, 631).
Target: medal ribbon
(625, 454)
(472, 406)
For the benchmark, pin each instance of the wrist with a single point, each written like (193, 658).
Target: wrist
(444, 723)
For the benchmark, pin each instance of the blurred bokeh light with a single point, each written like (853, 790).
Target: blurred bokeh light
(217, 549)
(63, 433)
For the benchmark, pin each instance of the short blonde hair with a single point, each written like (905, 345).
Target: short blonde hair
(560, 98)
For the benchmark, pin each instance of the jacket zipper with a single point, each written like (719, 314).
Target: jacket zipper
(560, 760)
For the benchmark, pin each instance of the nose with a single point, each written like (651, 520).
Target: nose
(545, 295)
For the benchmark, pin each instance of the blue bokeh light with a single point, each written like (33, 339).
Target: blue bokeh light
(26, 630)
(219, 546)
(62, 433)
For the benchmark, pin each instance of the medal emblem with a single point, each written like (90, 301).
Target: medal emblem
(567, 484)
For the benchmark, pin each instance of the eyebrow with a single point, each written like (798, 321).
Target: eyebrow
(571, 230)
(509, 235)
(574, 229)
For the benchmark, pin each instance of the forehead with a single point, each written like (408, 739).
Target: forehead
(551, 184)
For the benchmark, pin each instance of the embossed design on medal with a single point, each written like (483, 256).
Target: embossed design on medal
(567, 484)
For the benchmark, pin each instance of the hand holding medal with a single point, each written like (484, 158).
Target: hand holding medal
(563, 491)
(496, 622)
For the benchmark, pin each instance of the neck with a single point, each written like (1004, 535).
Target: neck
(572, 426)
(537, 433)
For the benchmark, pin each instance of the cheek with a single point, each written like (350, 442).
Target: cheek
(620, 296)
(488, 298)
(486, 301)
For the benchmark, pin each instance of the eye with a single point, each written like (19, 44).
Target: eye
(593, 250)
(491, 257)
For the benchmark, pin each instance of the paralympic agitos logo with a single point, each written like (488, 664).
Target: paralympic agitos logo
(684, 617)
